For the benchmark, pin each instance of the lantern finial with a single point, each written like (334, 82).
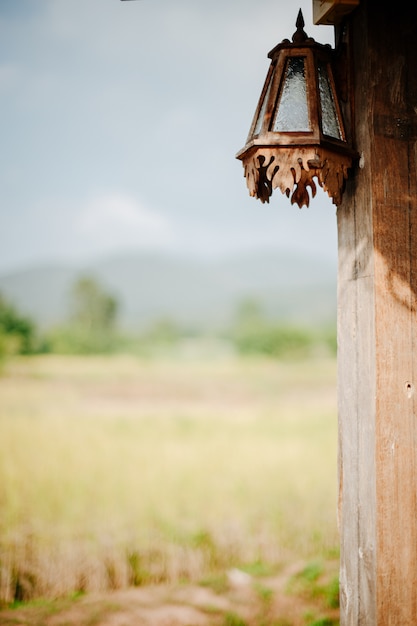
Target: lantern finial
(300, 35)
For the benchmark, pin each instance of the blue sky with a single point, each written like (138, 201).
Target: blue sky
(121, 121)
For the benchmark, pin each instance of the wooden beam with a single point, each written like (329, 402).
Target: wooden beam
(332, 11)
(377, 326)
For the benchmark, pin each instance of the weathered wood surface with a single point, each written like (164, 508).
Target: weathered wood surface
(377, 326)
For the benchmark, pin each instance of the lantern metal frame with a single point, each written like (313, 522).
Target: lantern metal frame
(290, 159)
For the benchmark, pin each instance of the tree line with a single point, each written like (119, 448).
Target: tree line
(91, 328)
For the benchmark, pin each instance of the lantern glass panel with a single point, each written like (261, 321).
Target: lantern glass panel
(261, 115)
(292, 111)
(330, 122)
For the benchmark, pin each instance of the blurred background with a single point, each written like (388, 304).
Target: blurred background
(144, 289)
(121, 122)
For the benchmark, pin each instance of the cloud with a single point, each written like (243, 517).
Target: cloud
(115, 220)
(147, 99)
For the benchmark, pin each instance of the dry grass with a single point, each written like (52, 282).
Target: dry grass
(118, 471)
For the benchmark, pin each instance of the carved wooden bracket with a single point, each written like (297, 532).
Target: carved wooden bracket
(292, 171)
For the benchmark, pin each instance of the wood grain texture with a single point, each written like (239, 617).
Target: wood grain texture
(377, 327)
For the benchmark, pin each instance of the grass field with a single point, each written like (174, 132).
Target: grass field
(116, 471)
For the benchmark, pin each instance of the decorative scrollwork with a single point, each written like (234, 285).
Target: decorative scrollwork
(292, 171)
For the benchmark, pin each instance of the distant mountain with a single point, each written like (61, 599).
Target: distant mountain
(40, 292)
(194, 292)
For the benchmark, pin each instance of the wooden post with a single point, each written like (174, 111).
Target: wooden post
(377, 324)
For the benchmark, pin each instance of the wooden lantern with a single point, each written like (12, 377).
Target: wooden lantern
(297, 133)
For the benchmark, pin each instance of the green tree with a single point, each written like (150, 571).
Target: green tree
(92, 321)
(255, 334)
(94, 310)
(17, 332)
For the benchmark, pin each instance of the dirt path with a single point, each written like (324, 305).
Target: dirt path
(246, 602)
